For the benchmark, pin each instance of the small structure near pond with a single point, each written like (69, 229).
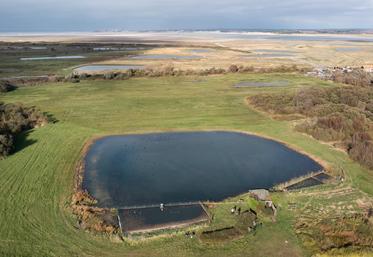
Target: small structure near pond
(259, 194)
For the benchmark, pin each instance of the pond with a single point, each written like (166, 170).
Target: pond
(102, 68)
(51, 58)
(149, 169)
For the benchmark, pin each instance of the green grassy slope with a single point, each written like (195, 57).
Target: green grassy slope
(36, 182)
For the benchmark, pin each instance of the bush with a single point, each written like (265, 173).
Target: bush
(6, 86)
(171, 71)
(6, 144)
(72, 78)
(14, 119)
(233, 68)
(357, 77)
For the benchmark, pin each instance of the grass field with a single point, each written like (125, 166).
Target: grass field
(37, 181)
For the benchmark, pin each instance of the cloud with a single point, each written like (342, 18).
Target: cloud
(87, 15)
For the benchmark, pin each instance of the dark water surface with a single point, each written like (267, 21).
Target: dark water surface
(189, 166)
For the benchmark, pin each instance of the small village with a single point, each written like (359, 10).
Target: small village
(350, 75)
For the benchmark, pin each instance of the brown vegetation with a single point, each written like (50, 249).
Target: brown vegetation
(166, 71)
(93, 218)
(342, 114)
(171, 71)
(337, 232)
(356, 77)
(233, 68)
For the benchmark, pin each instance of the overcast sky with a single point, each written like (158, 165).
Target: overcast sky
(90, 15)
